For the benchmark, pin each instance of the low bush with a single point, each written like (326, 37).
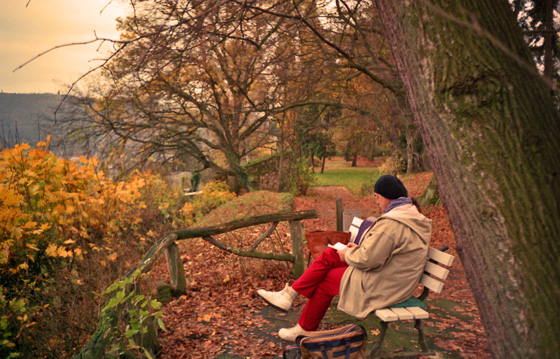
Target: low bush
(393, 165)
(213, 195)
(300, 178)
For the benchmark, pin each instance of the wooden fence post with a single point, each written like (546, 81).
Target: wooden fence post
(296, 230)
(339, 211)
(176, 271)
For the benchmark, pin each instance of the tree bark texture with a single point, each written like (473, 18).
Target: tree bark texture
(492, 134)
(176, 270)
(296, 231)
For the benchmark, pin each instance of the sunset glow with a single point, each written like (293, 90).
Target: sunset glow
(30, 27)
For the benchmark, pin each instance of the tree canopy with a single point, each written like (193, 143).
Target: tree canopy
(211, 84)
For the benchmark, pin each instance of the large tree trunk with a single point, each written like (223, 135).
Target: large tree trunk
(492, 135)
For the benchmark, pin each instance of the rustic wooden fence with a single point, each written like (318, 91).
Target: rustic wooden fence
(109, 319)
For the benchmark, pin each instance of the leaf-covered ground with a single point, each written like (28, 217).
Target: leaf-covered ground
(221, 316)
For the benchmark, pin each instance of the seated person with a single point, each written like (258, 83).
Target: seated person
(381, 270)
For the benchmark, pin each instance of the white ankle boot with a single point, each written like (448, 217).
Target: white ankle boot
(290, 334)
(281, 300)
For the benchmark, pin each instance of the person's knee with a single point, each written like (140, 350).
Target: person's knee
(327, 289)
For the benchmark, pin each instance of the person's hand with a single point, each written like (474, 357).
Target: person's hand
(342, 252)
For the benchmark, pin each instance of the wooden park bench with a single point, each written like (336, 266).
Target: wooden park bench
(412, 309)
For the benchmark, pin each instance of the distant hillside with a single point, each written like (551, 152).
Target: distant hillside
(22, 114)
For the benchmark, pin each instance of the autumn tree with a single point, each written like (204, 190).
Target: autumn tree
(491, 131)
(191, 82)
(377, 83)
(204, 84)
(351, 32)
(311, 82)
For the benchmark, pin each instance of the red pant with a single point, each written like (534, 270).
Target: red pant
(320, 283)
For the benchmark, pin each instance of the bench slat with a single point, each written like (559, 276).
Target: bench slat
(402, 313)
(408, 313)
(418, 312)
(440, 257)
(353, 233)
(436, 270)
(386, 315)
(431, 283)
(357, 222)
(355, 228)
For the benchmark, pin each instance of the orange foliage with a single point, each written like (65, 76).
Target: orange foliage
(53, 214)
(59, 207)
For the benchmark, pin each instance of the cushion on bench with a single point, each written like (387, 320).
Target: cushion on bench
(358, 227)
(412, 302)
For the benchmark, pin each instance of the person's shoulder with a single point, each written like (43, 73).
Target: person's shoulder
(406, 215)
(407, 211)
(383, 222)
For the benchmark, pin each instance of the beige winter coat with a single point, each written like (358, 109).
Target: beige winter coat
(386, 266)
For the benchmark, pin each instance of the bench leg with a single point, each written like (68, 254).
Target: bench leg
(377, 345)
(421, 340)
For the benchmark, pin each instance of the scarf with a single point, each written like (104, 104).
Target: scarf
(397, 203)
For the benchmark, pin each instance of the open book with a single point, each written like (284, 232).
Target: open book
(338, 246)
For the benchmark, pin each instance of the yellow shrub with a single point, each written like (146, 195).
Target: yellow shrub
(53, 214)
(393, 165)
(213, 195)
(51, 203)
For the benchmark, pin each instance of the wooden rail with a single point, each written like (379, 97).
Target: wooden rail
(96, 347)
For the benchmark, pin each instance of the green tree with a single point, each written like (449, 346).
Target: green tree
(491, 131)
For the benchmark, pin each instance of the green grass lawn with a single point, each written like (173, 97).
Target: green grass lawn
(350, 177)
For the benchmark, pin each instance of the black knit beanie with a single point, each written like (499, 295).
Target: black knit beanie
(390, 187)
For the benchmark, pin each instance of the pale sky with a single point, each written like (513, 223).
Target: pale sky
(29, 27)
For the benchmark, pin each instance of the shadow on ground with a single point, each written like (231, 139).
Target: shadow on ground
(400, 338)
